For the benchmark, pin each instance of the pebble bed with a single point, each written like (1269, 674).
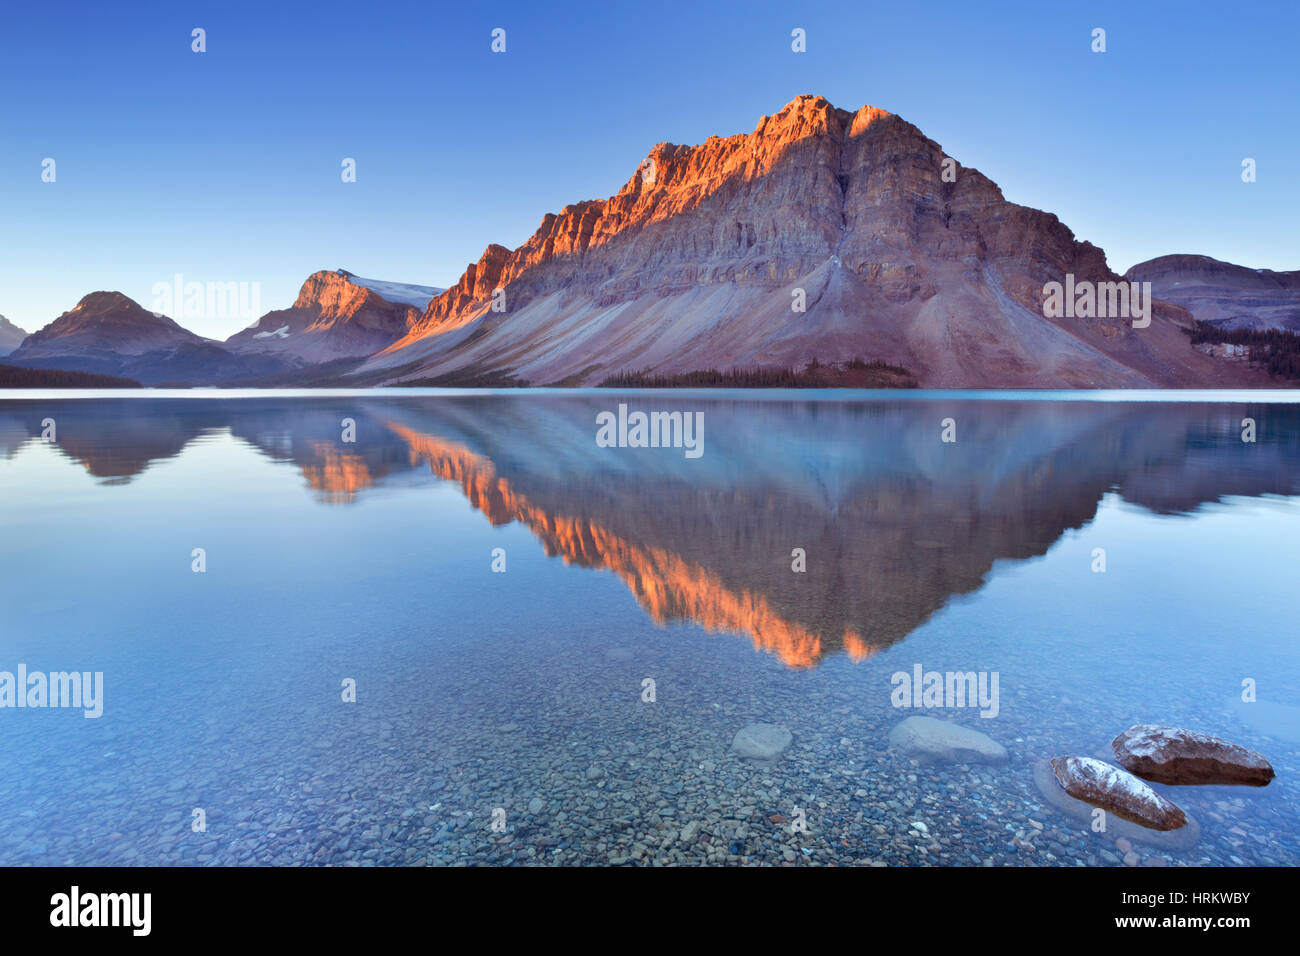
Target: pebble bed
(586, 772)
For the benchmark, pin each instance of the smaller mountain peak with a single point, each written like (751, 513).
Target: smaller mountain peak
(805, 102)
(811, 113)
(809, 107)
(865, 116)
(105, 302)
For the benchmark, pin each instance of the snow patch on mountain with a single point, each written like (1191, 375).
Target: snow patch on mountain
(406, 293)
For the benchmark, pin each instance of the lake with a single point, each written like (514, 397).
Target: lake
(420, 627)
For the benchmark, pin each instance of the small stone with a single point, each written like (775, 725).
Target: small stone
(536, 805)
(940, 741)
(761, 742)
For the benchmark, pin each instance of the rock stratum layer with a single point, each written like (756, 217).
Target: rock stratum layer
(696, 263)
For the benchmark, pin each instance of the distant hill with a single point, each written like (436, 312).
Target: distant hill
(107, 333)
(13, 376)
(10, 336)
(1224, 294)
(337, 321)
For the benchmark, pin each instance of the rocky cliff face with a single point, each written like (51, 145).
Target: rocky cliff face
(335, 316)
(699, 261)
(10, 336)
(1225, 294)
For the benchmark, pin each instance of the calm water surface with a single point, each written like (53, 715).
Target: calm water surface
(522, 692)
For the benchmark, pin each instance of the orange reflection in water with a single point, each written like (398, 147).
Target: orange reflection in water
(337, 476)
(669, 587)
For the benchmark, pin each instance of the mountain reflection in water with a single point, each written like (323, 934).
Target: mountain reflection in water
(893, 521)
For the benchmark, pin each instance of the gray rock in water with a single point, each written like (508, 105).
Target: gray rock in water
(939, 741)
(536, 805)
(1184, 838)
(761, 741)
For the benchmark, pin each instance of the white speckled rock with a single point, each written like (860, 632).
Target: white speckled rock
(940, 741)
(761, 741)
(1116, 791)
(1176, 756)
(1184, 838)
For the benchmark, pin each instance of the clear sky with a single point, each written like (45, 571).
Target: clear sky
(225, 166)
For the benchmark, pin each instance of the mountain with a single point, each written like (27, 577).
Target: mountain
(107, 333)
(696, 263)
(337, 315)
(106, 325)
(1224, 294)
(10, 336)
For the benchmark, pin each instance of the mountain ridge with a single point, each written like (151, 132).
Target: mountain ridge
(824, 237)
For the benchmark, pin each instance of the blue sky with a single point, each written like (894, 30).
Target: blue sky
(224, 166)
